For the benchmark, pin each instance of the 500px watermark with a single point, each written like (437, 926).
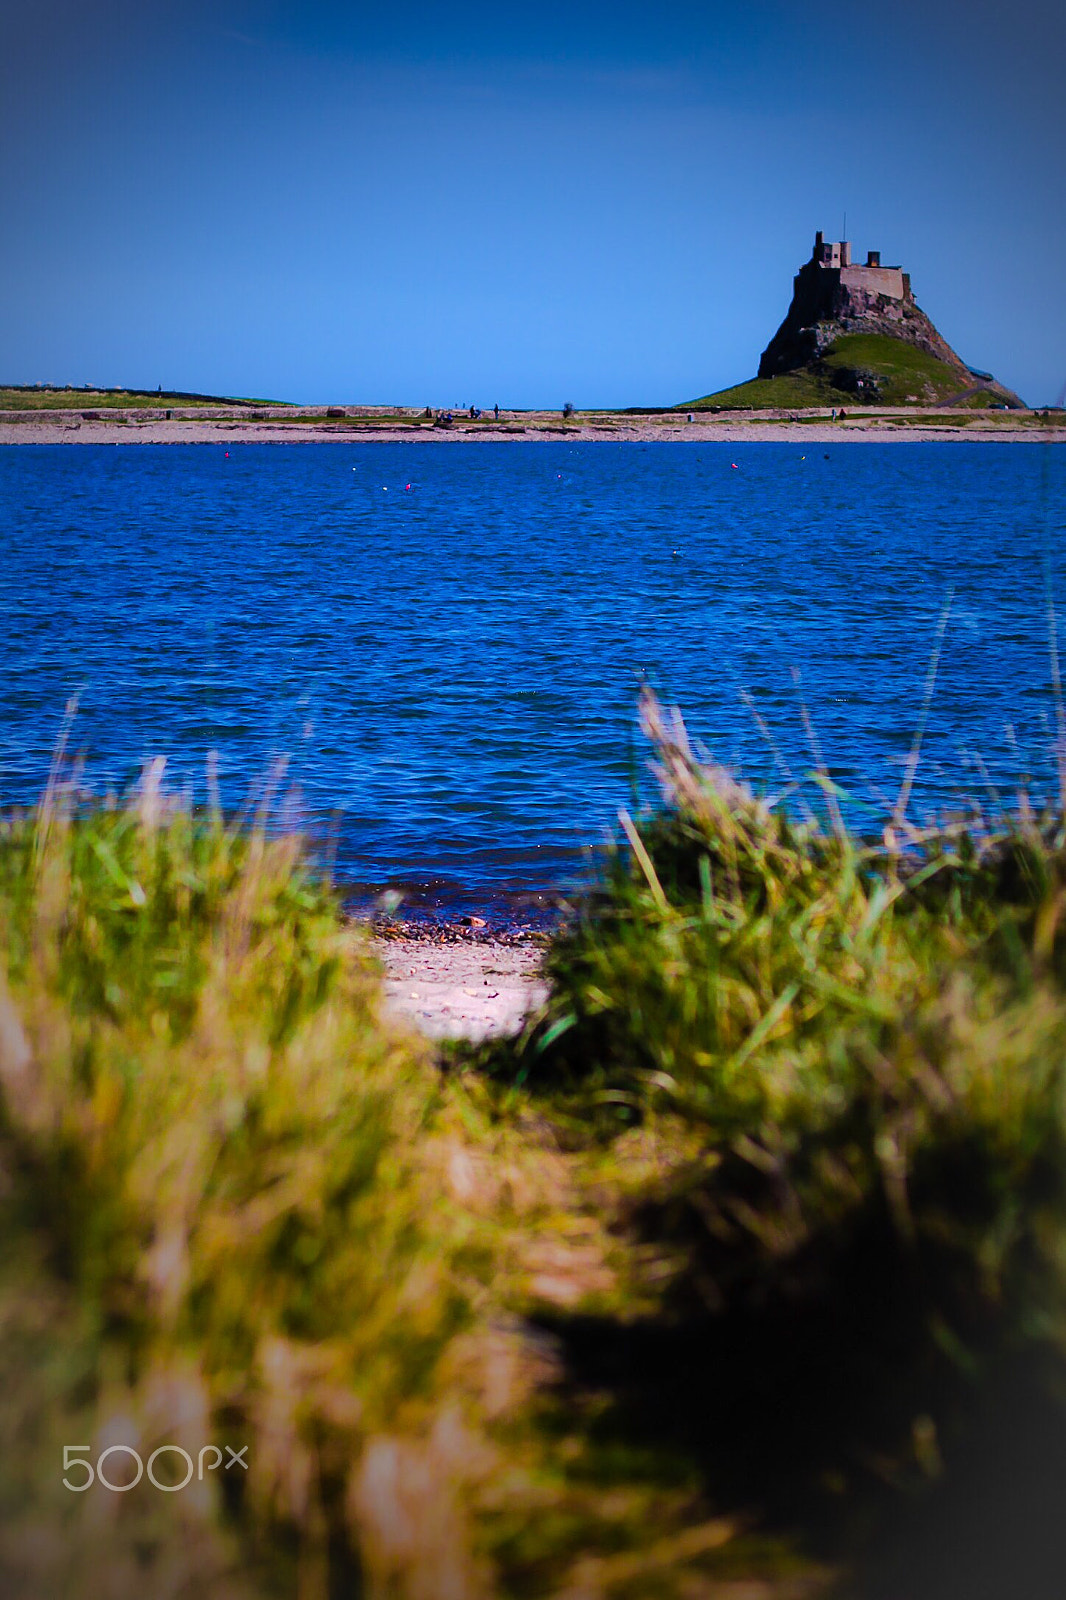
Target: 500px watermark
(209, 1459)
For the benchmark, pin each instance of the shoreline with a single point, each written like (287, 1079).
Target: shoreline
(456, 983)
(465, 967)
(538, 428)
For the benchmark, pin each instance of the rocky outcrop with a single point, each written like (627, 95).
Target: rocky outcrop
(825, 304)
(831, 298)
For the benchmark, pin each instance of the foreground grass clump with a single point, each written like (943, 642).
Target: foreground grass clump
(846, 1062)
(224, 1224)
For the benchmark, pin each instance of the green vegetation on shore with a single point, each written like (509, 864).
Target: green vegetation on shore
(737, 1267)
(36, 397)
(896, 372)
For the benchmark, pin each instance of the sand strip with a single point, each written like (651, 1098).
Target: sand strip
(462, 988)
(750, 430)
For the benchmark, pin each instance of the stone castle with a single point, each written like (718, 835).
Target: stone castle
(831, 295)
(872, 279)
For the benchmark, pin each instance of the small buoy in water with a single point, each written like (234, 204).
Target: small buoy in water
(407, 487)
(227, 455)
(733, 465)
(384, 488)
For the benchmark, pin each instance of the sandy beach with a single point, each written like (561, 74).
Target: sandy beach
(375, 425)
(450, 986)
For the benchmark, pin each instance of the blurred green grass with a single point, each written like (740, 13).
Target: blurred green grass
(823, 1080)
(212, 1152)
(736, 1272)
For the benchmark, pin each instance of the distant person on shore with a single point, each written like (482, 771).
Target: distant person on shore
(496, 412)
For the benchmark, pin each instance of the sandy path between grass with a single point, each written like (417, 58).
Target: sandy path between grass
(461, 990)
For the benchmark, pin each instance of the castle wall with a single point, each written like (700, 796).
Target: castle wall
(874, 280)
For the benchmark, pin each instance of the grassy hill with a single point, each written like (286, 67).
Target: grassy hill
(30, 397)
(894, 373)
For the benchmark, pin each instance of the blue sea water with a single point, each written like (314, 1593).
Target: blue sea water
(445, 640)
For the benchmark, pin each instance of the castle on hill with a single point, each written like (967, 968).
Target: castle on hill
(854, 328)
(832, 295)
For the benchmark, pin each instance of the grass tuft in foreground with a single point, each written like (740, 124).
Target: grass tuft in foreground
(842, 1066)
(224, 1224)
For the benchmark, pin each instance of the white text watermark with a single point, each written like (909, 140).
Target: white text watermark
(107, 1471)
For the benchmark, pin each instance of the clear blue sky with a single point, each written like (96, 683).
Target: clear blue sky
(439, 204)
